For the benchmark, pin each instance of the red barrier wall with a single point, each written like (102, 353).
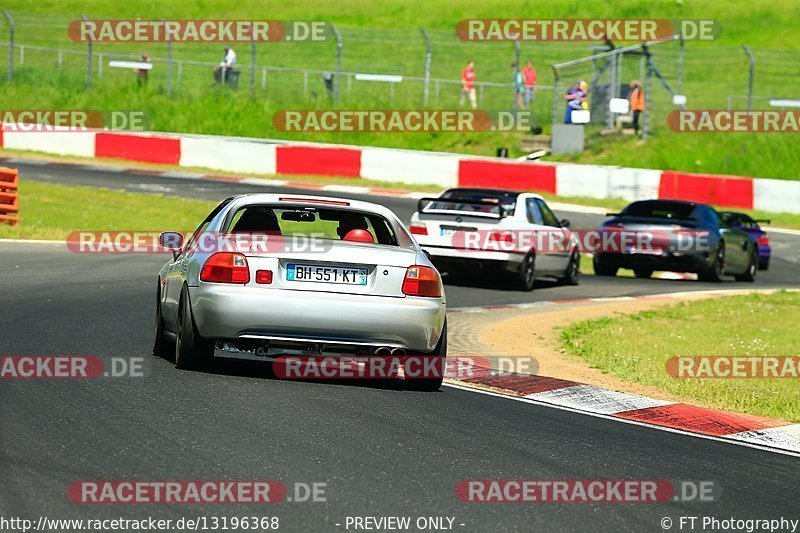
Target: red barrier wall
(728, 191)
(164, 150)
(319, 161)
(519, 176)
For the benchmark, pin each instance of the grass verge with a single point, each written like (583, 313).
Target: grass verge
(51, 211)
(636, 348)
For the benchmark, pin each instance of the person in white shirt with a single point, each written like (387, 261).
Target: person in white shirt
(228, 63)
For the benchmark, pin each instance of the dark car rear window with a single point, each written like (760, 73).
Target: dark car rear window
(667, 210)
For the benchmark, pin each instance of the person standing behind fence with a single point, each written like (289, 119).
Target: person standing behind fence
(529, 74)
(519, 86)
(637, 103)
(141, 73)
(468, 85)
(228, 63)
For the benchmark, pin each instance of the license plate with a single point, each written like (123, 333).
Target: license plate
(645, 251)
(448, 231)
(326, 274)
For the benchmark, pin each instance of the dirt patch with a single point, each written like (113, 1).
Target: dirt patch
(538, 334)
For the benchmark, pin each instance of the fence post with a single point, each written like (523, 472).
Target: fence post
(88, 58)
(751, 75)
(427, 65)
(100, 65)
(514, 79)
(337, 81)
(556, 84)
(613, 87)
(252, 68)
(680, 66)
(10, 44)
(647, 99)
(169, 63)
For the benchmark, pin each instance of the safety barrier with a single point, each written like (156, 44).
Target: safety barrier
(264, 156)
(9, 195)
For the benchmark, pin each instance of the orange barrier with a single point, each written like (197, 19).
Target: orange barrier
(9, 195)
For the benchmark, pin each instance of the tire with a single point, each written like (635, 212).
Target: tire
(572, 273)
(161, 346)
(642, 273)
(715, 272)
(603, 268)
(192, 352)
(526, 275)
(432, 384)
(752, 269)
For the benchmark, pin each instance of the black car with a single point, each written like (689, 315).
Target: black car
(677, 236)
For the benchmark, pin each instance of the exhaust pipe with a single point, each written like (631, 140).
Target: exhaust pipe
(383, 350)
(398, 352)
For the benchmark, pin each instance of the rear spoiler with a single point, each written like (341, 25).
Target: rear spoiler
(500, 212)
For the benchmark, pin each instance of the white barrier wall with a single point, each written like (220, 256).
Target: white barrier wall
(230, 155)
(406, 166)
(634, 183)
(778, 196)
(590, 181)
(79, 144)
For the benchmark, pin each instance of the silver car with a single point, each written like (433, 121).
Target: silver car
(318, 275)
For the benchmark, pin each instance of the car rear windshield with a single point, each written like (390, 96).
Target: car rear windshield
(493, 201)
(667, 210)
(322, 223)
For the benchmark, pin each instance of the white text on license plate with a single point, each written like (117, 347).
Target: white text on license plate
(326, 274)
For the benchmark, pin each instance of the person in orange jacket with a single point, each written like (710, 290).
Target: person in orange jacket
(637, 103)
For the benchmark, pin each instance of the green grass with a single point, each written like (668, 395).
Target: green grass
(385, 38)
(50, 211)
(636, 347)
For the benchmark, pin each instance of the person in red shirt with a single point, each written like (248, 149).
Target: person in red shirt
(468, 85)
(529, 75)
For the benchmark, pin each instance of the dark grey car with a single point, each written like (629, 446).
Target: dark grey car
(681, 237)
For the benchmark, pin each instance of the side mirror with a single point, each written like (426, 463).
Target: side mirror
(171, 240)
(565, 223)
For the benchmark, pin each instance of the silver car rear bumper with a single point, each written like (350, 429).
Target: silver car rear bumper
(240, 312)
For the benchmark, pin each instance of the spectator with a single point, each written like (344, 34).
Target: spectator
(637, 103)
(574, 98)
(519, 86)
(468, 85)
(141, 73)
(585, 90)
(228, 63)
(529, 74)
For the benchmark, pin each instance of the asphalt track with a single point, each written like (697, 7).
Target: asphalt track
(381, 450)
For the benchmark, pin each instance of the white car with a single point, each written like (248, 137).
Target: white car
(469, 232)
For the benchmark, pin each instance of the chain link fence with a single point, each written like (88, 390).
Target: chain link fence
(36, 49)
